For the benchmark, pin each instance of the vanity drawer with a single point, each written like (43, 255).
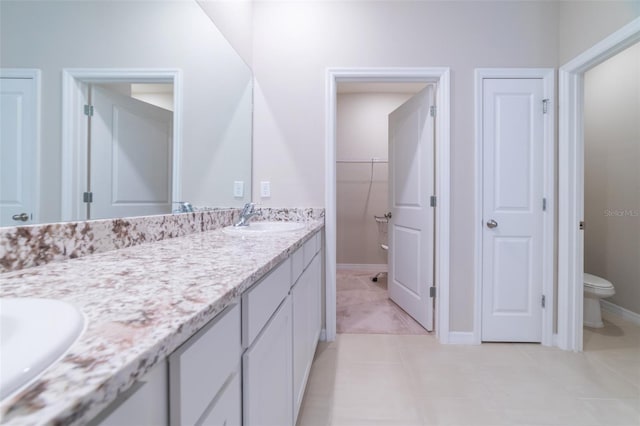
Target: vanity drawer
(310, 248)
(261, 301)
(200, 367)
(297, 264)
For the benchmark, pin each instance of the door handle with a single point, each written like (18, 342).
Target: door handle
(21, 217)
(492, 224)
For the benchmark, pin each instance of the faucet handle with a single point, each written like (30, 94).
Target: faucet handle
(185, 207)
(248, 208)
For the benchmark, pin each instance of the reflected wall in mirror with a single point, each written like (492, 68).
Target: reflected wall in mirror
(215, 99)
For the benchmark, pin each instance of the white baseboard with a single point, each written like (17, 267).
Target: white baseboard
(323, 335)
(373, 267)
(461, 338)
(620, 311)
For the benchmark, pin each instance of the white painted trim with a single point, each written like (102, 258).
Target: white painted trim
(548, 77)
(36, 75)
(382, 75)
(620, 311)
(571, 181)
(462, 338)
(74, 127)
(368, 267)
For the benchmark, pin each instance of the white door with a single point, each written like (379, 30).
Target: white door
(411, 227)
(130, 156)
(512, 140)
(18, 162)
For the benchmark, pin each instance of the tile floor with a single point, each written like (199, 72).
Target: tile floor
(383, 379)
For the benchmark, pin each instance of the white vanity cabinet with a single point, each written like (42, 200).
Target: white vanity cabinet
(145, 403)
(281, 327)
(204, 374)
(306, 297)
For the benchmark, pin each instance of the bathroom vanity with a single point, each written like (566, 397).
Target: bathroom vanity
(207, 328)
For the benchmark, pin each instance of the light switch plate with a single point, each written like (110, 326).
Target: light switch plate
(238, 189)
(265, 189)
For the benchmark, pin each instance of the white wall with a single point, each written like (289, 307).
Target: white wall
(362, 133)
(612, 174)
(295, 42)
(234, 18)
(584, 23)
(52, 35)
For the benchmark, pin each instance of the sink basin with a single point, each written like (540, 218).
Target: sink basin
(34, 333)
(260, 228)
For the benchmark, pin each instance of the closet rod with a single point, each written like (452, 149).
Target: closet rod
(369, 161)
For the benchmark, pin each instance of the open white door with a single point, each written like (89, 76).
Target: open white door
(18, 150)
(130, 156)
(512, 238)
(411, 227)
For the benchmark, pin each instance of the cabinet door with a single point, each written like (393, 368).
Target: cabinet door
(227, 410)
(315, 302)
(300, 296)
(146, 403)
(267, 379)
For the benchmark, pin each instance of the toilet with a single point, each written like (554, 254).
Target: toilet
(595, 288)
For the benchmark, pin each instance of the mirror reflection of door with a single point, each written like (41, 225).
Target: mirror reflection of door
(130, 150)
(18, 146)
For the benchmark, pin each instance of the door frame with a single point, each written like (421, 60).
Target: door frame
(548, 188)
(571, 180)
(74, 127)
(35, 75)
(440, 76)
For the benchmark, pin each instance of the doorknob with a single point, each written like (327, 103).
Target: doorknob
(22, 217)
(492, 224)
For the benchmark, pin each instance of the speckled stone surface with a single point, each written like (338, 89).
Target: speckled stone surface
(141, 302)
(27, 246)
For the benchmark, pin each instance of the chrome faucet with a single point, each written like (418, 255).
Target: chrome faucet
(248, 211)
(183, 207)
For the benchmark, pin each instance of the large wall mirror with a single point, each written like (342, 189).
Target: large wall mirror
(168, 115)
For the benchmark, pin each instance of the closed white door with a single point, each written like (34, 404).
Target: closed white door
(512, 141)
(411, 227)
(130, 151)
(18, 162)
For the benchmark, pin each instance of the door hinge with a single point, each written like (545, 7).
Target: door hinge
(581, 225)
(432, 201)
(87, 197)
(545, 106)
(88, 110)
(433, 110)
(544, 204)
(543, 301)
(432, 292)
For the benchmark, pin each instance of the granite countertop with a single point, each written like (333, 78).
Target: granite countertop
(141, 303)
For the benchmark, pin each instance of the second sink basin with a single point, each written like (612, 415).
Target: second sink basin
(34, 333)
(260, 228)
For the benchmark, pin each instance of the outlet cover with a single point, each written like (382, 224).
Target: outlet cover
(265, 189)
(238, 189)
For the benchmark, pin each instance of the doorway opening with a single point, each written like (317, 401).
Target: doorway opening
(571, 181)
(612, 202)
(121, 142)
(435, 76)
(363, 210)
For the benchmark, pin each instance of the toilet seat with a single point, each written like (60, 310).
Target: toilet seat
(596, 283)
